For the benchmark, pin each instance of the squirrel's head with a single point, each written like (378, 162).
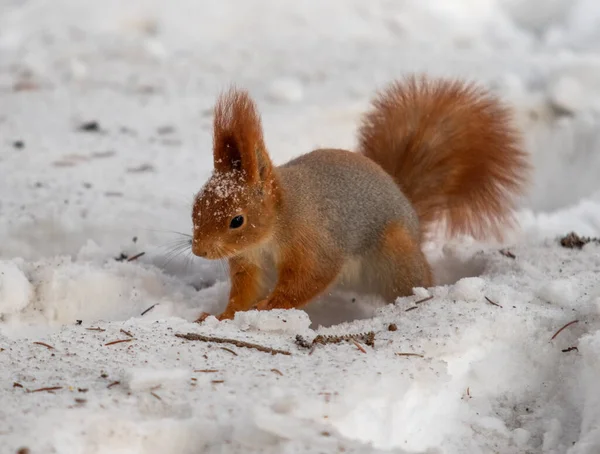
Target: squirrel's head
(236, 209)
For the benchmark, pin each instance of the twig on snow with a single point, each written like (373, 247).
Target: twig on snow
(49, 347)
(301, 342)
(566, 326)
(574, 241)
(229, 350)
(491, 302)
(410, 354)
(148, 310)
(49, 389)
(120, 341)
(237, 343)
(507, 253)
(366, 338)
(136, 256)
(358, 346)
(424, 300)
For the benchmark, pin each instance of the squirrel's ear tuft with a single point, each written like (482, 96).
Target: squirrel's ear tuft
(238, 143)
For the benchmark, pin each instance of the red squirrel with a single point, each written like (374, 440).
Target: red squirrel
(429, 150)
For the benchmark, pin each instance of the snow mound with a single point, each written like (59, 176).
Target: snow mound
(137, 379)
(15, 289)
(277, 320)
(469, 289)
(66, 291)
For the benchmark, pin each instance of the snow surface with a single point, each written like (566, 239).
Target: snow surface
(486, 374)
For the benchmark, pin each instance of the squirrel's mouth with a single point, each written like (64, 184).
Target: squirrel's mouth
(210, 252)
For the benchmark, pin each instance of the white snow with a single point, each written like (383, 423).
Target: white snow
(468, 289)
(480, 367)
(286, 90)
(282, 321)
(15, 289)
(139, 379)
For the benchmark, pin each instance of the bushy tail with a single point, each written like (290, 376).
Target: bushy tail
(451, 148)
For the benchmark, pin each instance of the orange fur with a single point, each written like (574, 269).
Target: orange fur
(448, 146)
(243, 182)
(305, 270)
(404, 255)
(246, 286)
(452, 150)
(237, 136)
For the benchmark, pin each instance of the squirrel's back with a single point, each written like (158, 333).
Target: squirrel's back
(346, 194)
(429, 150)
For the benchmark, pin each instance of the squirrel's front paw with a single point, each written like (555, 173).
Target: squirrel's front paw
(263, 305)
(227, 315)
(273, 303)
(203, 316)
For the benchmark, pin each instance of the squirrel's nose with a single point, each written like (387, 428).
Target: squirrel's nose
(197, 249)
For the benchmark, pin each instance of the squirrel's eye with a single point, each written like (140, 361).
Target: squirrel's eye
(236, 222)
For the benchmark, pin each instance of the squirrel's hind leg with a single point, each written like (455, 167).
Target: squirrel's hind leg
(398, 264)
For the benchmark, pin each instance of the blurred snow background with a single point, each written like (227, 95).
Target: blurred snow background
(142, 77)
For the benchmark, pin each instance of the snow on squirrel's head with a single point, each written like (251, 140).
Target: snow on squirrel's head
(236, 209)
